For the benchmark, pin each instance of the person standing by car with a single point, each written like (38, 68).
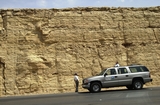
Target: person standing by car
(76, 80)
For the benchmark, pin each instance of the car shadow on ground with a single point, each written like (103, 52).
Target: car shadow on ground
(112, 90)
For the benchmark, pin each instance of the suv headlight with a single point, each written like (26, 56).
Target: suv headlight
(85, 81)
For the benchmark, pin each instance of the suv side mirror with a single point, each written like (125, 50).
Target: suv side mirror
(105, 74)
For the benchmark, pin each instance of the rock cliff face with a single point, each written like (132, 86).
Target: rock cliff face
(41, 49)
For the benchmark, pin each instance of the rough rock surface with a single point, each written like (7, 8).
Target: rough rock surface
(41, 49)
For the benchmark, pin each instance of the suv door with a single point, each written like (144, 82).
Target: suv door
(110, 78)
(123, 76)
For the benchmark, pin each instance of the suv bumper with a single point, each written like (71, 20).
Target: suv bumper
(148, 80)
(86, 86)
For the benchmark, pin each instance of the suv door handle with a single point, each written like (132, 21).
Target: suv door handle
(127, 76)
(116, 76)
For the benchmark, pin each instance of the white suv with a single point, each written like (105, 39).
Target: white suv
(133, 77)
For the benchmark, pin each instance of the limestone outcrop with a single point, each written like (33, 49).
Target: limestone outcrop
(41, 49)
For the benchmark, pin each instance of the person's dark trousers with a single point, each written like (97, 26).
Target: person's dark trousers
(77, 84)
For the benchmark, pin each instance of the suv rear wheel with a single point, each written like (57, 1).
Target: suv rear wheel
(137, 84)
(95, 87)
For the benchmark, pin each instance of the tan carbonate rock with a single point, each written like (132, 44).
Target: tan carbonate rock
(41, 49)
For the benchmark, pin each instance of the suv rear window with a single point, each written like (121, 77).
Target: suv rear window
(138, 69)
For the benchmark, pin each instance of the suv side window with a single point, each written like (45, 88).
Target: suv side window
(111, 72)
(138, 69)
(144, 68)
(122, 71)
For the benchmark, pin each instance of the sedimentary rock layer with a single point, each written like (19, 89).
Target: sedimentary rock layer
(41, 49)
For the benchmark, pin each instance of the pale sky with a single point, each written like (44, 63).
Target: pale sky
(48, 4)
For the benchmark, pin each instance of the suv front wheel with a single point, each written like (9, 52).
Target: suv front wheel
(95, 87)
(137, 84)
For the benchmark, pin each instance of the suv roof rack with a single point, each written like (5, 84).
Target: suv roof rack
(134, 64)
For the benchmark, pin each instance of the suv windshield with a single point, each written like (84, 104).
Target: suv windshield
(102, 72)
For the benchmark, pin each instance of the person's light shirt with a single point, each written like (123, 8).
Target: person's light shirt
(76, 78)
(117, 65)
